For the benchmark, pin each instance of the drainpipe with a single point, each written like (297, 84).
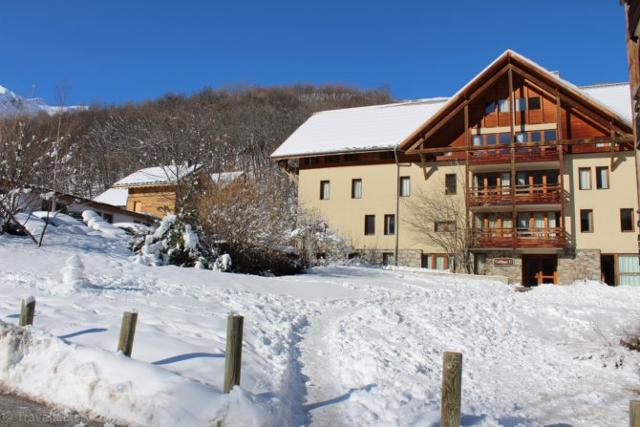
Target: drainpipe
(395, 156)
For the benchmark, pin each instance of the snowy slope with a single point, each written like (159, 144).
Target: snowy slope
(12, 104)
(342, 346)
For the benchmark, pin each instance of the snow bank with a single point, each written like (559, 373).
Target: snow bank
(95, 222)
(95, 381)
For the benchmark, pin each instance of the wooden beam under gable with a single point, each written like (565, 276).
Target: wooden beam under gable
(467, 98)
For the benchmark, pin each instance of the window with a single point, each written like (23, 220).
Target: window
(626, 219)
(332, 159)
(388, 258)
(503, 105)
(356, 188)
(450, 183)
(549, 135)
(585, 178)
(444, 226)
(521, 104)
(586, 220)
(405, 186)
(389, 225)
(602, 177)
(505, 138)
(628, 270)
(490, 107)
(521, 137)
(369, 225)
(535, 136)
(325, 190)
(490, 139)
(477, 140)
(534, 103)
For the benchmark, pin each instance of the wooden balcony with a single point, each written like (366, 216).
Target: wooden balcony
(524, 153)
(523, 195)
(503, 238)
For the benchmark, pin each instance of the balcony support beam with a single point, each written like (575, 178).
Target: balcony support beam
(512, 122)
(559, 132)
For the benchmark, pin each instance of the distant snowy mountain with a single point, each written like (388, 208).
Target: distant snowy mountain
(12, 104)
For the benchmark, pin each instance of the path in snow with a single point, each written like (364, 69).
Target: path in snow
(19, 412)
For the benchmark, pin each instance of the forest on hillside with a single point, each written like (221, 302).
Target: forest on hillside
(84, 152)
(223, 129)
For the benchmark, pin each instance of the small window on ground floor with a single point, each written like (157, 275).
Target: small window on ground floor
(388, 258)
(628, 270)
(437, 261)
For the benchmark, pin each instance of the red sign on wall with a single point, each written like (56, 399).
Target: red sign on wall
(503, 261)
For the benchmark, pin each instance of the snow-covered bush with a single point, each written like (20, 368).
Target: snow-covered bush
(174, 242)
(251, 220)
(316, 242)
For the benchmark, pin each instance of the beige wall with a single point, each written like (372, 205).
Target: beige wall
(605, 203)
(346, 215)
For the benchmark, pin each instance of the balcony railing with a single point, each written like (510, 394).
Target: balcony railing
(523, 154)
(523, 194)
(520, 238)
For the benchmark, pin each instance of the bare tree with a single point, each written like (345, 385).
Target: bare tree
(443, 220)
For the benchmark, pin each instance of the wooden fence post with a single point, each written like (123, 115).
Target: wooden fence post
(127, 332)
(27, 311)
(233, 356)
(634, 413)
(451, 389)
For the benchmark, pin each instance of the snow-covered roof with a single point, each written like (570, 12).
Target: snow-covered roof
(616, 96)
(384, 127)
(375, 127)
(114, 197)
(158, 175)
(225, 177)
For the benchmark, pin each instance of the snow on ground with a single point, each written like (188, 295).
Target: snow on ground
(340, 346)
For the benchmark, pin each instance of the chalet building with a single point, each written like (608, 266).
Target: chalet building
(544, 169)
(153, 190)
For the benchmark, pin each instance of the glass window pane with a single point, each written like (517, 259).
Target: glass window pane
(505, 138)
(405, 186)
(490, 139)
(477, 140)
(628, 264)
(439, 262)
(503, 105)
(585, 178)
(534, 103)
(549, 135)
(490, 107)
(535, 136)
(521, 137)
(521, 104)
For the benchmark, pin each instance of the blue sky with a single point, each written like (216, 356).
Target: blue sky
(114, 51)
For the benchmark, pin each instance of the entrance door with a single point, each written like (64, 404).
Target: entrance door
(539, 269)
(607, 266)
